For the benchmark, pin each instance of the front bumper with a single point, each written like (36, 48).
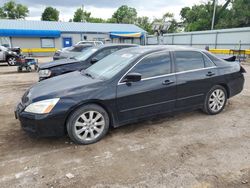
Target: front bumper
(41, 125)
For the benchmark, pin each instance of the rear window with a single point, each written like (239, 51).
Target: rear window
(208, 62)
(188, 60)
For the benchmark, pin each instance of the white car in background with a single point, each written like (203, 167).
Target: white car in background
(95, 43)
(7, 55)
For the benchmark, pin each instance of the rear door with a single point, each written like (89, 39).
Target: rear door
(195, 74)
(154, 94)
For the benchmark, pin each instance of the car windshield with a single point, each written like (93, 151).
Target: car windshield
(86, 54)
(110, 65)
(79, 48)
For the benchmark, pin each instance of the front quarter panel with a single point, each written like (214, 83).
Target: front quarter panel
(103, 94)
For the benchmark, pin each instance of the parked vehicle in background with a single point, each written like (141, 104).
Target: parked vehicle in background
(83, 61)
(127, 86)
(7, 55)
(94, 43)
(71, 51)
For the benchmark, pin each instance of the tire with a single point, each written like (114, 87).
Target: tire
(216, 100)
(36, 67)
(19, 69)
(82, 129)
(28, 69)
(11, 61)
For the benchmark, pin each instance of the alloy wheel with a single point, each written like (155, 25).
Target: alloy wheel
(217, 100)
(12, 61)
(89, 125)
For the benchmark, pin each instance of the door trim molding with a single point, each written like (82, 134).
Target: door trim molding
(170, 74)
(145, 106)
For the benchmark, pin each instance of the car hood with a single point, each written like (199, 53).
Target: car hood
(61, 86)
(57, 63)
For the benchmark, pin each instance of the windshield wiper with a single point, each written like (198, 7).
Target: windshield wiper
(72, 58)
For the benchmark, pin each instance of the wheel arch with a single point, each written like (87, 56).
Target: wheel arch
(226, 88)
(9, 55)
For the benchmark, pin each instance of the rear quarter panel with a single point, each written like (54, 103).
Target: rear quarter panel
(232, 77)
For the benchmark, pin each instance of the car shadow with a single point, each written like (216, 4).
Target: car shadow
(4, 65)
(23, 140)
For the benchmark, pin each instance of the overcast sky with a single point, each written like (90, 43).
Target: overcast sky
(105, 8)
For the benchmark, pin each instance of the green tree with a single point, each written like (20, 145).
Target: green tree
(2, 13)
(111, 20)
(240, 13)
(144, 23)
(50, 14)
(81, 16)
(12, 10)
(96, 20)
(199, 17)
(125, 14)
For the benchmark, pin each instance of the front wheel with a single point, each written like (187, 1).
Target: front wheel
(88, 124)
(215, 100)
(11, 61)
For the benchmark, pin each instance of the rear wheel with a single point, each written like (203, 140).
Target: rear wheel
(215, 100)
(19, 69)
(28, 69)
(11, 61)
(88, 124)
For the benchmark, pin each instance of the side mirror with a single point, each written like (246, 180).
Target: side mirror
(132, 77)
(94, 60)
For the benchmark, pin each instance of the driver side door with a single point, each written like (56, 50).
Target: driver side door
(154, 94)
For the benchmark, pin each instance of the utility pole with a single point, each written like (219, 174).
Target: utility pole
(214, 12)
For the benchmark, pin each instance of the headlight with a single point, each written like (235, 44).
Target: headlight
(44, 73)
(42, 107)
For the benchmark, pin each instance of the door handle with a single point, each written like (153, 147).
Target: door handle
(167, 82)
(210, 73)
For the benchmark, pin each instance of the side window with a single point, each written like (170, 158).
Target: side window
(105, 53)
(154, 65)
(208, 62)
(188, 60)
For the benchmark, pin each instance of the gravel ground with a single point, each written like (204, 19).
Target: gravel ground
(187, 150)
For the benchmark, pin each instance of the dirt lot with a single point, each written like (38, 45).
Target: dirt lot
(188, 150)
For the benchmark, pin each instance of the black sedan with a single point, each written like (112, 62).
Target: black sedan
(127, 86)
(71, 51)
(83, 61)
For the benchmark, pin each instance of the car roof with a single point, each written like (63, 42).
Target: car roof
(154, 48)
(115, 45)
(82, 45)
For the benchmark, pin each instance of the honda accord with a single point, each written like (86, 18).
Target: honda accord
(127, 86)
